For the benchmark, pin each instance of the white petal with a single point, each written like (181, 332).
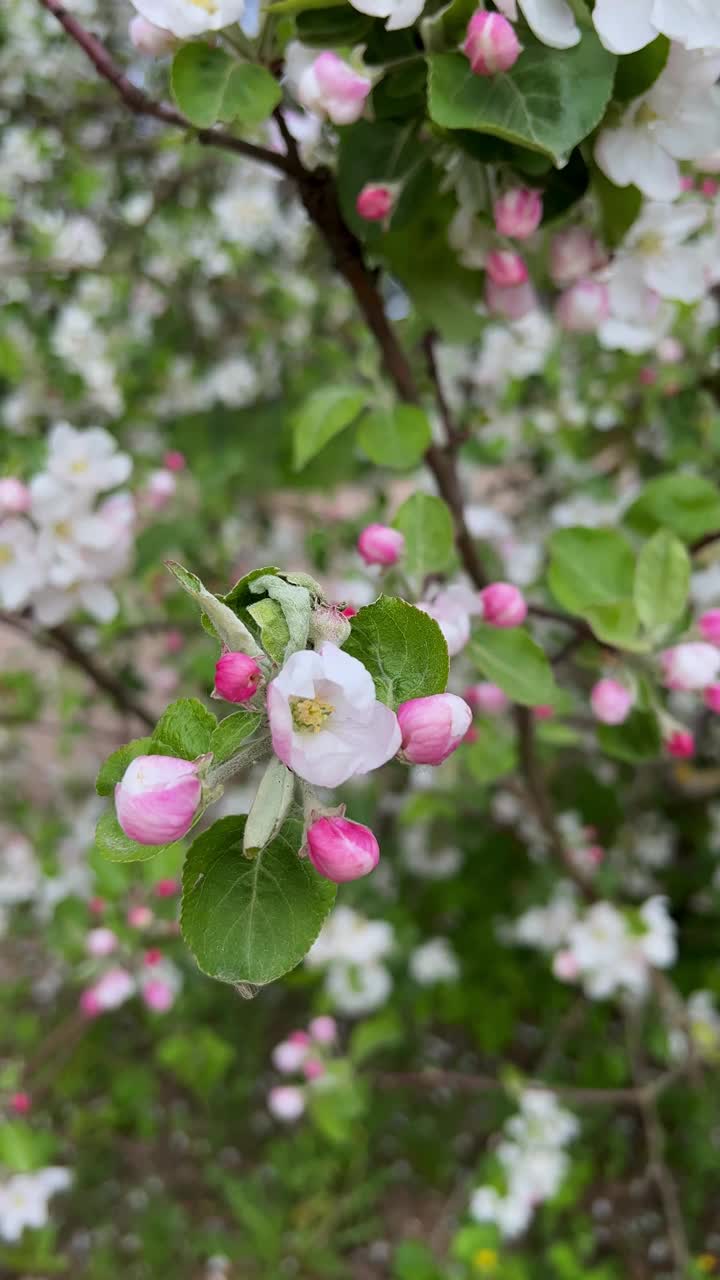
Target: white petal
(678, 274)
(552, 22)
(624, 25)
(99, 601)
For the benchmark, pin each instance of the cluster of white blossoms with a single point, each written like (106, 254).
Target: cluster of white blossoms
(25, 1199)
(532, 1163)
(607, 949)
(61, 542)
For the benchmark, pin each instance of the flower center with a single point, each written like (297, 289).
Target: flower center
(309, 714)
(651, 242)
(62, 528)
(79, 466)
(6, 554)
(645, 114)
(485, 1260)
(208, 5)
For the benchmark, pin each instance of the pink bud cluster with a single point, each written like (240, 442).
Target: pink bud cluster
(303, 1053)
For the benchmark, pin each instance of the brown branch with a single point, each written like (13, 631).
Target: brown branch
(464, 1082)
(707, 539)
(140, 104)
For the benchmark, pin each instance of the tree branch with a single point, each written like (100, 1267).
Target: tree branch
(636, 1095)
(140, 104)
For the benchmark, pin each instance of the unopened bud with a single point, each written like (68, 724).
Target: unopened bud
(237, 677)
(518, 212)
(375, 202)
(433, 727)
(157, 799)
(328, 623)
(709, 625)
(681, 744)
(342, 850)
(503, 605)
(490, 44)
(611, 701)
(506, 268)
(583, 307)
(379, 544)
(487, 698)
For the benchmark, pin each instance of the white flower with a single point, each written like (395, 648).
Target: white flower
(547, 927)
(511, 1213)
(656, 245)
(638, 317)
(349, 936)
(114, 988)
(79, 243)
(24, 1200)
(190, 17)
(355, 990)
(624, 28)
(551, 21)
(434, 961)
(613, 954)
(20, 570)
(19, 870)
(327, 724)
(86, 460)
(399, 13)
(677, 119)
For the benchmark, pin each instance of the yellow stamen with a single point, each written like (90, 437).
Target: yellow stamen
(310, 714)
(6, 554)
(485, 1260)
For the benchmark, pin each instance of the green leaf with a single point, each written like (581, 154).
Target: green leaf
(511, 658)
(492, 756)
(327, 26)
(616, 622)
(186, 726)
(405, 657)
(549, 101)
(198, 1058)
(686, 504)
(619, 207)
(662, 580)
(296, 605)
(428, 530)
(218, 617)
(324, 415)
(114, 767)
(638, 71)
(375, 1034)
(112, 843)
(270, 807)
(636, 740)
(251, 921)
(274, 630)
(590, 567)
(208, 84)
(232, 733)
(23, 1148)
(396, 437)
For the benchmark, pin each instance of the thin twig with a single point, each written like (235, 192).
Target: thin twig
(139, 102)
(464, 1082)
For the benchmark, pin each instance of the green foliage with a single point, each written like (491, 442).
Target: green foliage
(636, 740)
(403, 649)
(232, 733)
(549, 100)
(208, 84)
(687, 505)
(662, 580)
(512, 659)
(590, 567)
(325, 413)
(186, 728)
(112, 843)
(426, 525)
(250, 921)
(395, 437)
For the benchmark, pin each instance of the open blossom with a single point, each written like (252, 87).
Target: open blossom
(690, 666)
(149, 39)
(341, 850)
(399, 13)
(14, 496)
(574, 253)
(156, 799)
(583, 307)
(24, 1200)
(433, 727)
(186, 18)
(491, 44)
(552, 21)
(511, 301)
(625, 28)
(323, 1029)
(288, 1057)
(331, 88)
(286, 1102)
(506, 268)
(435, 961)
(452, 610)
(326, 722)
(616, 953)
(101, 942)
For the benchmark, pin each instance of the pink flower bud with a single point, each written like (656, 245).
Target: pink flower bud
(20, 1103)
(158, 995)
(147, 38)
(157, 798)
(709, 187)
(690, 666)
(503, 605)
(565, 966)
(611, 701)
(329, 87)
(323, 1029)
(573, 254)
(543, 711)
(152, 957)
(686, 182)
(647, 377)
(379, 544)
(583, 307)
(342, 850)
(96, 906)
(90, 1006)
(709, 625)
(161, 487)
(518, 212)
(288, 1057)
(14, 497)
(680, 744)
(506, 268)
(113, 989)
(432, 728)
(711, 697)
(167, 887)
(236, 677)
(100, 942)
(490, 44)
(140, 917)
(300, 1037)
(487, 698)
(174, 460)
(670, 351)
(375, 202)
(512, 302)
(286, 1102)
(327, 622)
(471, 736)
(313, 1069)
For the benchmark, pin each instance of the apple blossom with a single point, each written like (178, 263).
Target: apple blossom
(399, 13)
(375, 202)
(574, 253)
(14, 497)
(341, 850)
(690, 666)
(583, 307)
(157, 798)
(611, 701)
(237, 677)
(187, 18)
(288, 1057)
(709, 626)
(487, 698)
(313, 1069)
(491, 44)
(680, 743)
(331, 88)
(286, 1102)
(434, 961)
(503, 605)
(101, 942)
(379, 544)
(161, 488)
(149, 39)
(552, 21)
(518, 212)
(506, 268)
(452, 609)
(513, 301)
(711, 697)
(433, 727)
(326, 722)
(323, 1029)
(626, 28)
